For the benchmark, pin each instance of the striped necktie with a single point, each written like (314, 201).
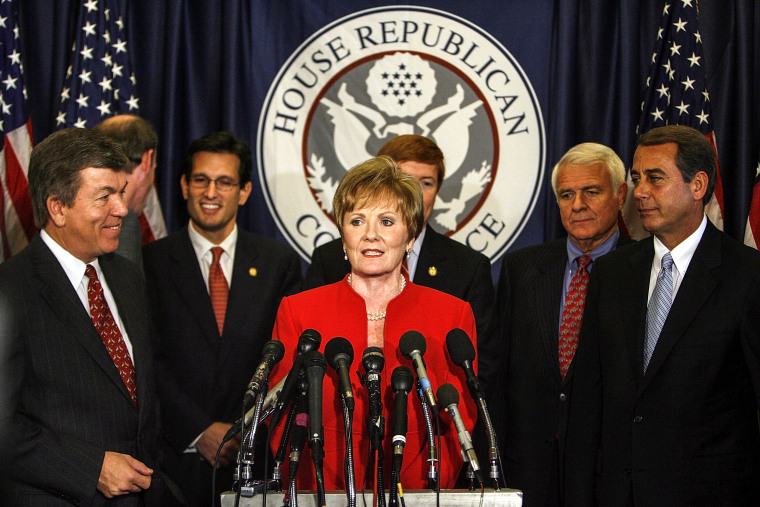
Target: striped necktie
(573, 314)
(217, 287)
(659, 306)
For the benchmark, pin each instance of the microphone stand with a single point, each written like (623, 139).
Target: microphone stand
(297, 444)
(375, 425)
(432, 454)
(348, 462)
(248, 487)
(493, 446)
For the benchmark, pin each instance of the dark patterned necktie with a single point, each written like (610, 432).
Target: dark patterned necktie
(658, 308)
(218, 288)
(109, 332)
(572, 315)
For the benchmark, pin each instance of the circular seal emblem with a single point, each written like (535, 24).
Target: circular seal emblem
(388, 71)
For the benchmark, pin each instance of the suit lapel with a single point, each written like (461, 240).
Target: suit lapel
(431, 256)
(63, 300)
(636, 286)
(548, 291)
(244, 284)
(186, 275)
(695, 289)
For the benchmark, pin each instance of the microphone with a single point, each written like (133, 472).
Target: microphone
(462, 354)
(412, 345)
(269, 400)
(449, 398)
(339, 354)
(314, 362)
(273, 352)
(373, 362)
(308, 341)
(402, 382)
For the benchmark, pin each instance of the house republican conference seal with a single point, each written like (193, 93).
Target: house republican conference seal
(383, 72)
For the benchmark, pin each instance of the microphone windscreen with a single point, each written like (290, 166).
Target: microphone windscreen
(275, 348)
(402, 379)
(338, 348)
(411, 341)
(459, 346)
(309, 340)
(447, 395)
(373, 359)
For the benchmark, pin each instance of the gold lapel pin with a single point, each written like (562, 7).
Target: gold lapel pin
(432, 271)
(253, 271)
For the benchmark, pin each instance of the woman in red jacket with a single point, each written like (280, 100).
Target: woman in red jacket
(379, 213)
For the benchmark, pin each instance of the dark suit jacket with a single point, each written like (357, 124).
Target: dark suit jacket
(686, 433)
(203, 376)
(529, 404)
(69, 403)
(459, 271)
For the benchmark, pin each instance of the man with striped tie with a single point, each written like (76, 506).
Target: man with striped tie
(214, 291)
(667, 373)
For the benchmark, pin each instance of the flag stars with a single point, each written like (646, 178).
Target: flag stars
(675, 49)
(107, 60)
(680, 25)
(666, 9)
(663, 91)
(65, 93)
(702, 118)
(60, 119)
(683, 108)
(10, 82)
(133, 103)
(688, 84)
(83, 100)
(84, 76)
(104, 108)
(687, 3)
(706, 95)
(89, 28)
(120, 23)
(15, 57)
(105, 84)
(657, 113)
(698, 37)
(81, 123)
(659, 33)
(694, 59)
(6, 107)
(86, 53)
(117, 70)
(107, 37)
(91, 5)
(120, 46)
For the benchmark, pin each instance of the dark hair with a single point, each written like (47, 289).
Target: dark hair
(376, 180)
(55, 164)
(135, 135)
(222, 142)
(694, 154)
(416, 149)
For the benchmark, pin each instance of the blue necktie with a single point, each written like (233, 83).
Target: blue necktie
(659, 306)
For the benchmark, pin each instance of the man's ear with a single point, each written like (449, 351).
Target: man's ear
(56, 211)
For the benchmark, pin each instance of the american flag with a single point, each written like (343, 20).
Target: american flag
(16, 216)
(676, 94)
(752, 232)
(100, 83)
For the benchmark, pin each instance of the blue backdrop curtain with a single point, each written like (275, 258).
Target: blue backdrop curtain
(206, 65)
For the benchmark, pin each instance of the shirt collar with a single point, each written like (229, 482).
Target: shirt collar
(202, 246)
(573, 252)
(418, 242)
(682, 253)
(72, 266)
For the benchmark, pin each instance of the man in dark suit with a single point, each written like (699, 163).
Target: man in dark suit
(84, 418)
(435, 261)
(539, 296)
(208, 352)
(667, 381)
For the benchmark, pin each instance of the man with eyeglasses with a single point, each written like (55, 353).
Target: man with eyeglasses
(214, 291)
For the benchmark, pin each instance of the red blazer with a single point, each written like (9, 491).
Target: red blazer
(336, 310)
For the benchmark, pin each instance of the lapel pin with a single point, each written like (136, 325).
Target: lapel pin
(253, 271)
(432, 271)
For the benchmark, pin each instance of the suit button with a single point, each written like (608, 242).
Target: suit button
(638, 419)
(562, 397)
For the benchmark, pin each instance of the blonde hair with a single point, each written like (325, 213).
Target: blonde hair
(377, 180)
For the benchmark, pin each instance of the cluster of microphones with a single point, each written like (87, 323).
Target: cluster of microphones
(301, 391)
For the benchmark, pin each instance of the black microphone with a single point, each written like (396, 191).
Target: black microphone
(339, 354)
(402, 382)
(449, 398)
(462, 354)
(373, 362)
(273, 352)
(314, 363)
(308, 341)
(412, 345)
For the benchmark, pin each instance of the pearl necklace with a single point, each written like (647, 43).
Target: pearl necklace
(381, 315)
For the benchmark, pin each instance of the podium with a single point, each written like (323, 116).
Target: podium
(417, 498)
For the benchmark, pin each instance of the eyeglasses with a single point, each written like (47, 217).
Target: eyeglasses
(222, 184)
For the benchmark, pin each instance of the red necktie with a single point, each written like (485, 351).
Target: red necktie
(109, 332)
(573, 314)
(217, 288)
